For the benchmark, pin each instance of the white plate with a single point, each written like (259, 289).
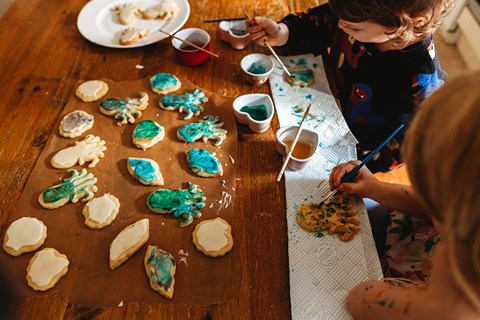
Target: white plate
(99, 24)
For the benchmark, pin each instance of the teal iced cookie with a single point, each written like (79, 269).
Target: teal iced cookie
(164, 83)
(145, 170)
(203, 163)
(147, 133)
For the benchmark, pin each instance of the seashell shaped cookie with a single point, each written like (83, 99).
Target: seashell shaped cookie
(147, 133)
(46, 268)
(89, 149)
(213, 237)
(160, 267)
(75, 124)
(203, 163)
(164, 83)
(145, 170)
(128, 241)
(100, 212)
(24, 235)
(92, 90)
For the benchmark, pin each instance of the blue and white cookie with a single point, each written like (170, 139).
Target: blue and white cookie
(203, 163)
(145, 170)
(75, 124)
(164, 83)
(147, 133)
(160, 267)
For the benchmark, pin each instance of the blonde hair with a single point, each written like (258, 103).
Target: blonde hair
(442, 151)
(410, 19)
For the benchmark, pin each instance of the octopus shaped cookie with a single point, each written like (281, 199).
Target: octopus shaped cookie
(203, 163)
(127, 12)
(207, 128)
(89, 149)
(165, 10)
(164, 83)
(125, 110)
(335, 216)
(160, 267)
(187, 102)
(182, 202)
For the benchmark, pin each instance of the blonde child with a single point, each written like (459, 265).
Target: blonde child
(441, 150)
(382, 55)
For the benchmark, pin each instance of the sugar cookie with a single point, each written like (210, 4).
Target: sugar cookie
(165, 10)
(75, 124)
(190, 103)
(100, 212)
(128, 241)
(46, 268)
(213, 237)
(301, 76)
(203, 163)
(132, 35)
(89, 149)
(164, 83)
(125, 110)
(160, 268)
(207, 128)
(24, 235)
(91, 90)
(127, 12)
(147, 133)
(145, 170)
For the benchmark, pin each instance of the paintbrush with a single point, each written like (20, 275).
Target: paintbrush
(349, 177)
(226, 19)
(189, 43)
(295, 139)
(276, 57)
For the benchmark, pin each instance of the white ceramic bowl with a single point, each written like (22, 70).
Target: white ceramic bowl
(257, 113)
(234, 32)
(257, 68)
(307, 137)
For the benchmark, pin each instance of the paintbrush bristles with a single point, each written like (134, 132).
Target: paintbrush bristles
(294, 142)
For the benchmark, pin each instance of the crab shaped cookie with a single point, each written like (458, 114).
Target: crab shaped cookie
(89, 149)
(182, 202)
(207, 128)
(126, 110)
(188, 103)
(165, 10)
(127, 12)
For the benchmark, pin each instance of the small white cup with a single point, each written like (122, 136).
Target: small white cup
(234, 32)
(257, 68)
(250, 102)
(307, 136)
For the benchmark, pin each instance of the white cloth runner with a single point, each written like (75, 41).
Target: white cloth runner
(323, 269)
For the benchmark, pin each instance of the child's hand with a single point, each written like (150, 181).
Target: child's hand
(363, 184)
(263, 29)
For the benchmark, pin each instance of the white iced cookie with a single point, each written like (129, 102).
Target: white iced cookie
(75, 124)
(89, 149)
(46, 268)
(128, 241)
(132, 35)
(24, 235)
(127, 12)
(145, 170)
(165, 10)
(100, 212)
(213, 237)
(147, 133)
(91, 90)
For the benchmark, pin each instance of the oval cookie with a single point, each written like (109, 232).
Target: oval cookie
(164, 83)
(100, 212)
(213, 237)
(147, 133)
(24, 235)
(160, 268)
(91, 90)
(203, 163)
(128, 241)
(145, 170)
(75, 124)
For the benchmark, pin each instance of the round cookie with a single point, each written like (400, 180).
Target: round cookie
(75, 124)
(46, 268)
(147, 133)
(164, 83)
(24, 235)
(91, 90)
(100, 212)
(213, 237)
(300, 76)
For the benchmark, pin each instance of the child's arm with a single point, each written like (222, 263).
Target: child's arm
(265, 29)
(394, 196)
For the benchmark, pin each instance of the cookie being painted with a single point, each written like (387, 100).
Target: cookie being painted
(91, 90)
(145, 170)
(301, 76)
(125, 110)
(203, 163)
(89, 149)
(207, 128)
(160, 267)
(75, 124)
(164, 83)
(100, 212)
(46, 268)
(147, 133)
(189, 103)
(213, 237)
(128, 241)
(24, 235)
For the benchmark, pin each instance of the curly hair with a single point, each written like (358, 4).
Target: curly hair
(441, 149)
(410, 19)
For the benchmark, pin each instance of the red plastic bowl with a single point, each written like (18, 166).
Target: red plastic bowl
(188, 55)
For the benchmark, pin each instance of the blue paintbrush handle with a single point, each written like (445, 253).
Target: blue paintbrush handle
(349, 177)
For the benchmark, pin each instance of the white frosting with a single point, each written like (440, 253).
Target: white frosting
(211, 235)
(127, 12)
(91, 88)
(99, 209)
(91, 148)
(127, 238)
(24, 232)
(46, 266)
(132, 34)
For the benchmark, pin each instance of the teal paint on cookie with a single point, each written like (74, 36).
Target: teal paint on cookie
(203, 160)
(302, 75)
(163, 81)
(187, 102)
(80, 183)
(143, 169)
(258, 112)
(191, 131)
(160, 263)
(256, 69)
(63, 191)
(147, 129)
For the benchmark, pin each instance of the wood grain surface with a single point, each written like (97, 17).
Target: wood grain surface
(43, 56)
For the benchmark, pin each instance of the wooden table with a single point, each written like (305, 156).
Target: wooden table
(43, 56)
